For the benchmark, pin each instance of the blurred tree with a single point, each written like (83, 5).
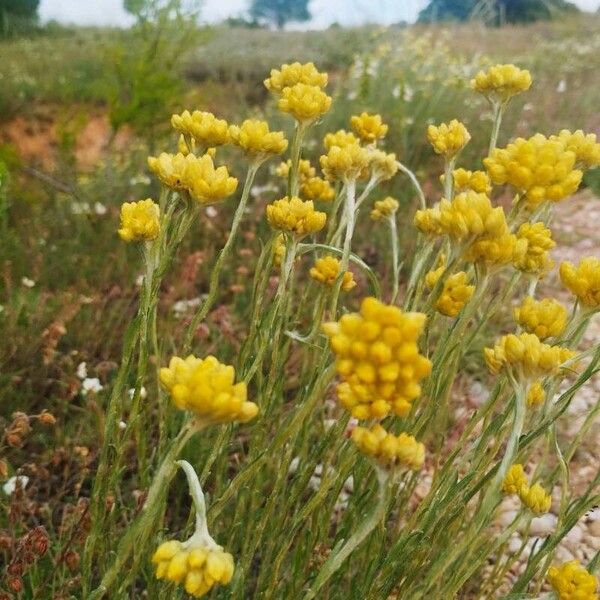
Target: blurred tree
(17, 14)
(280, 12)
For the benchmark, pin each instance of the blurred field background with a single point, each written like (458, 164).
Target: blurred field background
(81, 109)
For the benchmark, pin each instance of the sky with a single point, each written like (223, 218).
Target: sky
(325, 12)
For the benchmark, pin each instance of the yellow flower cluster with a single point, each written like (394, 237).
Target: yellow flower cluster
(305, 169)
(585, 147)
(378, 359)
(525, 356)
(502, 82)
(546, 318)
(198, 567)
(326, 271)
(387, 449)
(495, 251)
(255, 139)
(535, 394)
(383, 165)
(206, 387)
(448, 138)
(572, 581)
(140, 221)
(477, 181)
(583, 280)
(539, 168)
(290, 75)
(369, 128)
(534, 498)
(535, 240)
(456, 293)
(197, 176)
(304, 102)
(203, 127)
(340, 138)
(317, 188)
(345, 163)
(295, 216)
(384, 209)
(279, 250)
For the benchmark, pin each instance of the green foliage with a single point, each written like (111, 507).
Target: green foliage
(17, 15)
(280, 12)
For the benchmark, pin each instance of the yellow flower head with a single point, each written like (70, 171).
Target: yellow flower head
(383, 165)
(495, 251)
(546, 318)
(427, 221)
(317, 188)
(526, 356)
(139, 221)
(198, 567)
(295, 216)
(448, 138)
(502, 82)
(305, 170)
(205, 183)
(204, 127)
(255, 139)
(433, 276)
(476, 181)
(536, 240)
(572, 581)
(169, 168)
(389, 450)
(515, 480)
(207, 388)
(326, 271)
(585, 147)
(536, 394)
(378, 359)
(535, 498)
(539, 168)
(583, 280)
(383, 209)
(304, 102)
(290, 75)
(279, 250)
(455, 295)
(340, 138)
(345, 163)
(368, 128)
(182, 145)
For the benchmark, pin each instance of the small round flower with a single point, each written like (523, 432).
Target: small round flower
(345, 163)
(427, 221)
(378, 359)
(525, 356)
(572, 581)
(541, 169)
(197, 566)
(169, 168)
(140, 221)
(383, 209)
(383, 165)
(585, 147)
(535, 241)
(203, 127)
(515, 480)
(536, 394)
(583, 280)
(448, 138)
(327, 270)
(279, 250)
(255, 139)
(502, 82)
(455, 295)
(206, 184)
(340, 138)
(289, 75)
(369, 128)
(389, 450)
(535, 498)
(295, 216)
(546, 318)
(305, 169)
(317, 188)
(304, 102)
(476, 181)
(207, 388)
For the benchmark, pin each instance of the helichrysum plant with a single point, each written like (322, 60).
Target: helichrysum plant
(344, 474)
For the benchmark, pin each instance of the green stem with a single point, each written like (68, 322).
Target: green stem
(293, 181)
(498, 108)
(415, 182)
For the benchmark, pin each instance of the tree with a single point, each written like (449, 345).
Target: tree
(280, 12)
(17, 14)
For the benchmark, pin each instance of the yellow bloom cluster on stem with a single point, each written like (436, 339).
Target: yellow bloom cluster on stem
(317, 188)
(585, 147)
(304, 102)
(327, 270)
(340, 138)
(378, 359)
(345, 163)
(384, 209)
(535, 241)
(387, 449)
(455, 294)
(545, 318)
(583, 280)
(295, 216)
(502, 82)
(290, 75)
(140, 221)
(256, 140)
(533, 497)
(448, 139)
(572, 581)
(207, 388)
(369, 128)
(535, 394)
(476, 181)
(305, 169)
(383, 165)
(203, 127)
